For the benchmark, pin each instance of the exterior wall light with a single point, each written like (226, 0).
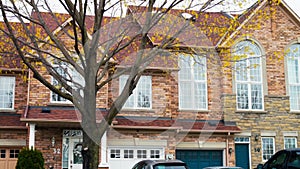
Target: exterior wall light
(53, 141)
(230, 150)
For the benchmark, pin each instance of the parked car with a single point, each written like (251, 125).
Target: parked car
(223, 167)
(283, 159)
(160, 164)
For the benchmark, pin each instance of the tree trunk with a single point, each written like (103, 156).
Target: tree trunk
(90, 152)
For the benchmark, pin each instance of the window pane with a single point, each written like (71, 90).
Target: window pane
(14, 153)
(65, 151)
(7, 92)
(295, 97)
(2, 153)
(290, 142)
(256, 97)
(115, 153)
(242, 96)
(293, 54)
(185, 68)
(154, 154)
(61, 71)
(267, 148)
(192, 82)
(141, 153)
(142, 94)
(185, 90)
(128, 153)
(200, 95)
(248, 76)
(255, 74)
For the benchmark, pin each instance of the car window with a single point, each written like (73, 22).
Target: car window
(278, 161)
(294, 161)
(169, 167)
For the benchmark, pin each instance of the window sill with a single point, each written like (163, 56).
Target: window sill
(136, 110)
(198, 111)
(61, 104)
(251, 111)
(8, 110)
(295, 112)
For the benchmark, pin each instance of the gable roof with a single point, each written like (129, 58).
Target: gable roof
(250, 14)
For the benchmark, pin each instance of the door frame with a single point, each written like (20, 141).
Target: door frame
(245, 140)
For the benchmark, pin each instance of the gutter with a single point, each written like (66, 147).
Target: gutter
(28, 95)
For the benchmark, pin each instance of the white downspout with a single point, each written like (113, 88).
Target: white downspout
(103, 162)
(31, 135)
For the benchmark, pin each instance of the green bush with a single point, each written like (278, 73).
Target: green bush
(30, 159)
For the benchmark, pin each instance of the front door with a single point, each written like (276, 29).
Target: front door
(75, 160)
(242, 155)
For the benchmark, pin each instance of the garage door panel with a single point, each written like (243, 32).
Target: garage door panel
(8, 158)
(2, 164)
(12, 164)
(198, 159)
(126, 157)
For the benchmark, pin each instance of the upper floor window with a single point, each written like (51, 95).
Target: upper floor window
(192, 82)
(293, 61)
(62, 69)
(7, 92)
(70, 75)
(141, 97)
(248, 76)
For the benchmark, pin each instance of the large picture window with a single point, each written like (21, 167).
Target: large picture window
(293, 61)
(141, 97)
(7, 92)
(248, 76)
(192, 82)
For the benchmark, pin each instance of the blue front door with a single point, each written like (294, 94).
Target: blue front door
(242, 155)
(198, 159)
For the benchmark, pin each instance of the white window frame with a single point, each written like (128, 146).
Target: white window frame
(286, 142)
(248, 82)
(145, 155)
(293, 55)
(193, 69)
(134, 97)
(53, 80)
(271, 141)
(8, 81)
(68, 71)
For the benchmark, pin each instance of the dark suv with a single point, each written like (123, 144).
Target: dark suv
(160, 164)
(284, 159)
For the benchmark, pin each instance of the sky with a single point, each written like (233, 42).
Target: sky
(227, 6)
(295, 5)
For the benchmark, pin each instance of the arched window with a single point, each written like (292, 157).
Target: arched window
(293, 61)
(248, 76)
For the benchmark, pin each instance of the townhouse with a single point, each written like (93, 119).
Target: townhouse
(237, 107)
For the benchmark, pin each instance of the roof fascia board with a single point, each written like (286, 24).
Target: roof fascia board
(291, 12)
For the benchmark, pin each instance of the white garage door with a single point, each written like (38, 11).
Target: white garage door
(8, 158)
(126, 157)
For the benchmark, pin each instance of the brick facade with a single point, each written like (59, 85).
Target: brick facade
(273, 29)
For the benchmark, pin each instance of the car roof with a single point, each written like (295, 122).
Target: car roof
(293, 149)
(154, 162)
(223, 167)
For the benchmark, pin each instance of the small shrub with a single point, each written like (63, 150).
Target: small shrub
(30, 159)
